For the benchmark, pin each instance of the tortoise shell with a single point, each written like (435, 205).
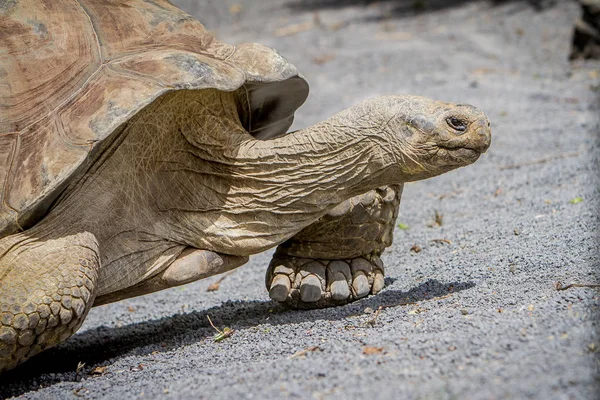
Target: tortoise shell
(73, 73)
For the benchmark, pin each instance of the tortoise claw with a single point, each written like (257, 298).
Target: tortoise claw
(280, 288)
(310, 289)
(310, 283)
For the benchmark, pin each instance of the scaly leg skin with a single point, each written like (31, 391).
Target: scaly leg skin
(46, 289)
(337, 259)
(191, 265)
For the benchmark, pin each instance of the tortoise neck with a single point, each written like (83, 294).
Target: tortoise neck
(326, 163)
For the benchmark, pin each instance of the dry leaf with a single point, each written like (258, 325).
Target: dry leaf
(140, 367)
(592, 347)
(372, 350)
(416, 248)
(320, 60)
(98, 371)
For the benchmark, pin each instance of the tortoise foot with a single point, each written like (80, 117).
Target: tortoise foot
(317, 283)
(46, 290)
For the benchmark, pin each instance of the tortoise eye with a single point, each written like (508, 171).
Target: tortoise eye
(457, 124)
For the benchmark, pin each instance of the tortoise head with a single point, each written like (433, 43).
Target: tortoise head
(430, 137)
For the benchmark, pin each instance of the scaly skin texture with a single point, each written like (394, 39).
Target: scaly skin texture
(336, 260)
(184, 175)
(47, 286)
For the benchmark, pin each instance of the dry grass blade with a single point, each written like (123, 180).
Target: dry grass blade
(80, 366)
(448, 241)
(373, 320)
(304, 352)
(221, 334)
(439, 218)
(559, 285)
(416, 248)
(213, 287)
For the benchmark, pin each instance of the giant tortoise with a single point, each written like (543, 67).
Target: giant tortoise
(138, 153)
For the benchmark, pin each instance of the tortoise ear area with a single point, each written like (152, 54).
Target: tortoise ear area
(423, 123)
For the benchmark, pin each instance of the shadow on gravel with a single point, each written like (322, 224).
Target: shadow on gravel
(104, 345)
(406, 8)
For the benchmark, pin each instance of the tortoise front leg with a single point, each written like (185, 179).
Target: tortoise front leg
(47, 287)
(336, 260)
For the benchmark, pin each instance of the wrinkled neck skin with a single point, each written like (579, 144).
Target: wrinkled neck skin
(314, 169)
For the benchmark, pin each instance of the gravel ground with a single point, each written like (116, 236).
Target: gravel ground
(476, 315)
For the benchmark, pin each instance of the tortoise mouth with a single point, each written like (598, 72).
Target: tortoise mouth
(461, 155)
(450, 147)
(466, 151)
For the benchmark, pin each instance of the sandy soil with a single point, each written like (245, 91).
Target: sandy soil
(474, 316)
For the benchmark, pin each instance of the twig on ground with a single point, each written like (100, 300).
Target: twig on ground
(439, 218)
(559, 285)
(304, 352)
(213, 287)
(373, 320)
(448, 241)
